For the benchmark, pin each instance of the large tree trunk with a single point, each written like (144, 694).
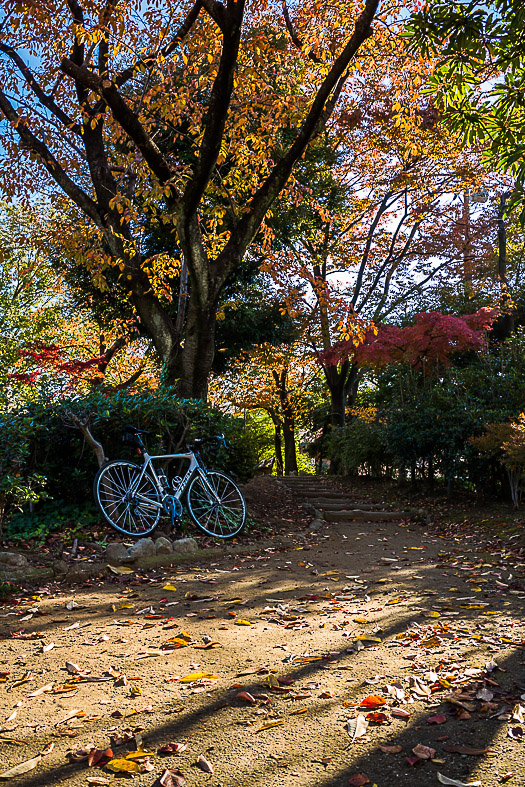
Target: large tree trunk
(192, 364)
(290, 451)
(277, 442)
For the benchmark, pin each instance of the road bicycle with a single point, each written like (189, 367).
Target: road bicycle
(133, 497)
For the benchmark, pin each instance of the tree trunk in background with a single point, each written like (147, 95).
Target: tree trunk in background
(277, 443)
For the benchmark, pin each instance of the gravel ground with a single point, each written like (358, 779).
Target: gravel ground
(424, 622)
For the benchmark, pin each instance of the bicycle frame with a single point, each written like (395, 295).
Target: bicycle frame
(193, 468)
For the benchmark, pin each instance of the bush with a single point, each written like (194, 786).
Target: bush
(42, 447)
(361, 446)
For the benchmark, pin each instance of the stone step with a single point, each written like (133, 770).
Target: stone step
(365, 516)
(326, 497)
(349, 506)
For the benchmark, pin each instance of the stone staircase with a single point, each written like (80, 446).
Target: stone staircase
(336, 505)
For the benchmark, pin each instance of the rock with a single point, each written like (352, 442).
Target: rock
(144, 547)
(316, 524)
(13, 559)
(60, 567)
(309, 510)
(116, 553)
(163, 546)
(77, 574)
(185, 546)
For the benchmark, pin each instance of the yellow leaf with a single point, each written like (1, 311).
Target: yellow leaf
(241, 622)
(169, 587)
(269, 725)
(360, 620)
(197, 676)
(298, 711)
(127, 605)
(139, 754)
(433, 614)
(366, 638)
(122, 765)
(120, 569)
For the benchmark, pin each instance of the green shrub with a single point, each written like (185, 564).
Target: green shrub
(45, 449)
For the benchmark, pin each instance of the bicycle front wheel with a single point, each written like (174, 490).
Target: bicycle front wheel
(134, 512)
(221, 515)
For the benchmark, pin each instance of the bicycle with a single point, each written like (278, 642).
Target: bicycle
(132, 497)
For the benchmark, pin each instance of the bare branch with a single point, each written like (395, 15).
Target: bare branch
(79, 197)
(293, 35)
(45, 100)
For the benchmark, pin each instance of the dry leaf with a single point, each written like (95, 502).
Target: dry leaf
(358, 780)
(241, 622)
(204, 765)
(193, 676)
(169, 587)
(245, 695)
(372, 702)
(122, 765)
(269, 725)
(394, 749)
(71, 715)
(454, 782)
(464, 750)
(172, 748)
(120, 569)
(424, 752)
(97, 781)
(42, 690)
(23, 767)
(357, 727)
(172, 779)
(438, 719)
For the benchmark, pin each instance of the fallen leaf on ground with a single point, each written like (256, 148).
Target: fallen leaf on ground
(516, 733)
(97, 781)
(71, 715)
(21, 768)
(198, 676)
(357, 727)
(376, 717)
(241, 622)
(269, 725)
(120, 569)
(358, 779)
(99, 756)
(440, 718)
(400, 713)
(372, 702)
(172, 779)
(424, 752)
(394, 749)
(454, 782)
(172, 748)
(464, 750)
(245, 695)
(169, 587)
(122, 765)
(42, 690)
(204, 765)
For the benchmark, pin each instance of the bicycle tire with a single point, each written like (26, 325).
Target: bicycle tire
(224, 519)
(132, 518)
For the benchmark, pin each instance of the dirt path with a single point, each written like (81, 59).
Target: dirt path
(354, 610)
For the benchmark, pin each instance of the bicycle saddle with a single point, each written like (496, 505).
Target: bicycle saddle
(135, 430)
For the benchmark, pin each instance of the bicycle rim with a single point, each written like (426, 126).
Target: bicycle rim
(221, 518)
(129, 515)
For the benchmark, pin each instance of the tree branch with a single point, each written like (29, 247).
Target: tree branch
(217, 111)
(45, 100)
(277, 178)
(79, 197)
(293, 35)
(124, 115)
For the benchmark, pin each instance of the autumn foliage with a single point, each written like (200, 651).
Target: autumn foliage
(432, 339)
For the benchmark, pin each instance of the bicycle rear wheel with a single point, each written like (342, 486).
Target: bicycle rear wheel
(222, 516)
(134, 512)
